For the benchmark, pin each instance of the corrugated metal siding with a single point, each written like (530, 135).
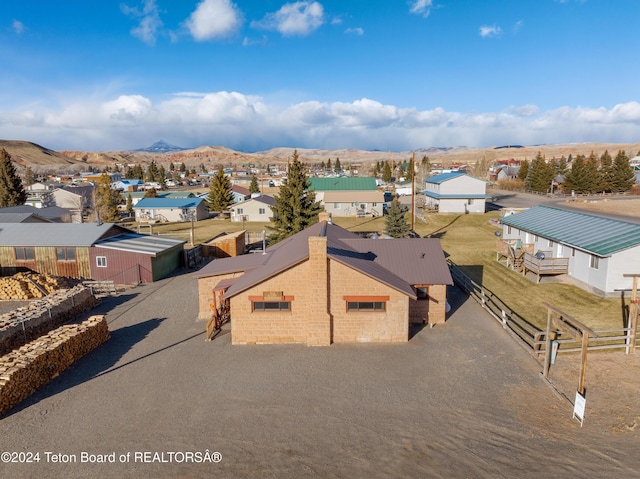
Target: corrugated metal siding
(123, 267)
(166, 262)
(595, 234)
(7, 256)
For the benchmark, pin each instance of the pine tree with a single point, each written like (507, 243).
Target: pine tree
(28, 177)
(254, 187)
(606, 172)
(295, 205)
(107, 200)
(162, 177)
(11, 190)
(337, 166)
(584, 175)
(386, 172)
(395, 223)
(152, 172)
(172, 167)
(183, 168)
(409, 175)
(220, 196)
(622, 174)
(524, 170)
(129, 205)
(328, 164)
(540, 175)
(592, 175)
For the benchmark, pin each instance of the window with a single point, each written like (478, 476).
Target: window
(535, 238)
(271, 305)
(101, 261)
(550, 243)
(336, 206)
(508, 230)
(470, 201)
(240, 211)
(593, 261)
(66, 254)
(366, 306)
(422, 292)
(262, 211)
(25, 254)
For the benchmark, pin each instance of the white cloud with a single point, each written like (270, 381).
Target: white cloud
(298, 18)
(250, 123)
(487, 31)
(517, 26)
(355, 31)
(150, 23)
(17, 26)
(214, 19)
(421, 7)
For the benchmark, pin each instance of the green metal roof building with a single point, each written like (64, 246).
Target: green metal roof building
(600, 249)
(343, 183)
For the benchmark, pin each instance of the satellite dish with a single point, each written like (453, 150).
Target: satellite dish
(497, 233)
(540, 255)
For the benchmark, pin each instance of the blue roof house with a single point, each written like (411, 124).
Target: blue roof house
(455, 192)
(161, 210)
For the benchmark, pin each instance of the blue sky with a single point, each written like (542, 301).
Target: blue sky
(373, 74)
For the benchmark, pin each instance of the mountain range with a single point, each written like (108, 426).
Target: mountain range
(42, 159)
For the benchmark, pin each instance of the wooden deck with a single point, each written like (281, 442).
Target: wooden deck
(546, 266)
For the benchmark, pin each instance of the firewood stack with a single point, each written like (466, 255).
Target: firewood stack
(25, 286)
(28, 368)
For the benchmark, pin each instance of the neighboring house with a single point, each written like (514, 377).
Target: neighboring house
(77, 199)
(507, 173)
(48, 214)
(257, 208)
(161, 210)
(138, 195)
(599, 250)
(455, 192)
(88, 251)
(240, 193)
(322, 185)
(128, 186)
(327, 285)
(354, 203)
(347, 196)
(21, 218)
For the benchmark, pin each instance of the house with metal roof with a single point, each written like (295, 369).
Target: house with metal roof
(455, 192)
(257, 208)
(160, 210)
(599, 250)
(349, 196)
(88, 251)
(327, 285)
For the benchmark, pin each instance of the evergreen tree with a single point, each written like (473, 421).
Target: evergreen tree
(128, 173)
(193, 171)
(583, 177)
(162, 177)
(202, 168)
(395, 223)
(540, 175)
(220, 196)
(129, 205)
(138, 174)
(322, 164)
(11, 190)
(409, 174)
(172, 167)
(295, 205)
(328, 164)
(386, 172)
(107, 200)
(560, 166)
(337, 166)
(254, 187)
(592, 174)
(28, 177)
(622, 174)
(606, 172)
(524, 170)
(183, 168)
(152, 172)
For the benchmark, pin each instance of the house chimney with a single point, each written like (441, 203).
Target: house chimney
(318, 317)
(324, 216)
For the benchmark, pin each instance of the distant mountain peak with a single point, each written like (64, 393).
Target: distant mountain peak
(162, 147)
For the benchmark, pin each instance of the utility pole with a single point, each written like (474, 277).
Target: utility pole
(413, 195)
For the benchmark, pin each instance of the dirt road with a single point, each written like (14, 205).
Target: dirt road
(459, 400)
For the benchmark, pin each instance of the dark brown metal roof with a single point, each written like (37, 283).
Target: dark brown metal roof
(398, 263)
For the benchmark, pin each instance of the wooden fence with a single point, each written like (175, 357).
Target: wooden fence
(529, 336)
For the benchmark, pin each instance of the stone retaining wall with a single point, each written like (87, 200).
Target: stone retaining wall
(33, 365)
(41, 316)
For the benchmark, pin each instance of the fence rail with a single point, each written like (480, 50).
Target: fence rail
(529, 336)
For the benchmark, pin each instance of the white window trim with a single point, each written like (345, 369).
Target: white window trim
(100, 260)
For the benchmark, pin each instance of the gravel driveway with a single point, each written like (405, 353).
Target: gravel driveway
(458, 400)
